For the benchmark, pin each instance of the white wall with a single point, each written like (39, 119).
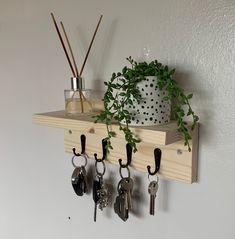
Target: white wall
(194, 36)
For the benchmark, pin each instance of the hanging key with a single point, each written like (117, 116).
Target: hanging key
(120, 207)
(117, 205)
(96, 188)
(127, 186)
(124, 212)
(122, 204)
(152, 189)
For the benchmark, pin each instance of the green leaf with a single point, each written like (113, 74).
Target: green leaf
(113, 75)
(166, 98)
(189, 96)
(172, 72)
(112, 133)
(125, 112)
(125, 82)
(122, 94)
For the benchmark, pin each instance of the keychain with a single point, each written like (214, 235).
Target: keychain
(101, 195)
(79, 176)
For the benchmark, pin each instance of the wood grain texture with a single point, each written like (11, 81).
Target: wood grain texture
(162, 135)
(176, 163)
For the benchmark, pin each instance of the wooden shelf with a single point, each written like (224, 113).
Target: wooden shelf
(177, 163)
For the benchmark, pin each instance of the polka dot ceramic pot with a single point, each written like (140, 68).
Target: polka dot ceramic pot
(152, 110)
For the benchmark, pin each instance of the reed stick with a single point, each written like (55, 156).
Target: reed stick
(88, 51)
(70, 49)
(81, 95)
(81, 100)
(62, 43)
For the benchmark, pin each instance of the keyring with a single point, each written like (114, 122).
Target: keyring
(82, 156)
(128, 171)
(153, 175)
(96, 168)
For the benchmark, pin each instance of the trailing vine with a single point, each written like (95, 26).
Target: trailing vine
(122, 91)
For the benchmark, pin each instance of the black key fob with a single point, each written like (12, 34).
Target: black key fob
(78, 181)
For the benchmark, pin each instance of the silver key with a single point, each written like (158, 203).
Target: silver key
(152, 189)
(119, 205)
(127, 186)
(123, 206)
(122, 191)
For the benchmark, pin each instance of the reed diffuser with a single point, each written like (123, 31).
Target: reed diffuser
(78, 99)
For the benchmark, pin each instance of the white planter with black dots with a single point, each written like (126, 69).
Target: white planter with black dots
(153, 109)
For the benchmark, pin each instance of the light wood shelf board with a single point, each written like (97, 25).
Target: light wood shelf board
(162, 135)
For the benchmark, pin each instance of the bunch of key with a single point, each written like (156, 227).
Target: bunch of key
(152, 190)
(123, 203)
(79, 178)
(101, 194)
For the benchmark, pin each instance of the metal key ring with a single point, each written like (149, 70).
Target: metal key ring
(156, 175)
(82, 156)
(128, 171)
(96, 168)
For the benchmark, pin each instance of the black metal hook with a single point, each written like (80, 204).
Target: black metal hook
(83, 146)
(104, 148)
(129, 156)
(157, 156)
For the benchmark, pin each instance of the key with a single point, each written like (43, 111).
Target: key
(124, 212)
(96, 188)
(127, 186)
(152, 189)
(119, 207)
(125, 196)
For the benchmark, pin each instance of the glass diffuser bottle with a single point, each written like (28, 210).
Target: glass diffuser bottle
(77, 100)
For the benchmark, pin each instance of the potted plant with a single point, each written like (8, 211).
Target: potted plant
(139, 94)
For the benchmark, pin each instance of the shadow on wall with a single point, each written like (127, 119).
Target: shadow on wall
(202, 104)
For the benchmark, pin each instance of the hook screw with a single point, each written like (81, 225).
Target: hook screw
(129, 156)
(157, 157)
(104, 148)
(83, 146)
